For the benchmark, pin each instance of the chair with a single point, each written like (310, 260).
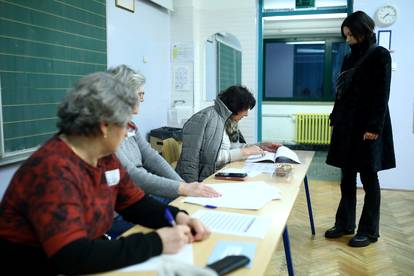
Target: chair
(171, 151)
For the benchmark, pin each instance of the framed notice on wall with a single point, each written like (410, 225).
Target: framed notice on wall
(384, 38)
(128, 5)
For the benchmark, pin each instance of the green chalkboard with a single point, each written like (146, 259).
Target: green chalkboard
(229, 66)
(45, 46)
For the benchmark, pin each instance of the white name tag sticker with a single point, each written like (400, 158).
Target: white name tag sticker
(112, 177)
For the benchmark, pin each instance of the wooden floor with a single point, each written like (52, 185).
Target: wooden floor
(393, 254)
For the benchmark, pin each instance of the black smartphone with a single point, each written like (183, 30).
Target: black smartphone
(224, 174)
(229, 263)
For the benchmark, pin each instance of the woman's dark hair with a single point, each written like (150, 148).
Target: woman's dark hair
(237, 98)
(360, 24)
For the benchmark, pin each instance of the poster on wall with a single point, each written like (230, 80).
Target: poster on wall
(182, 67)
(182, 77)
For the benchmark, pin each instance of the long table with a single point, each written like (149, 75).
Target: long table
(276, 211)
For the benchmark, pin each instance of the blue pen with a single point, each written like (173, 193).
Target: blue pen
(169, 217)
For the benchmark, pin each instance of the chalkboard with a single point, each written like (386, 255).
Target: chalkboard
(229, 66)
(45, 46)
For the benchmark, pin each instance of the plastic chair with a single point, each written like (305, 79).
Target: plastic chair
(171, 151)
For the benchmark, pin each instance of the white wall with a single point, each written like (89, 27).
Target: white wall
(142, 41)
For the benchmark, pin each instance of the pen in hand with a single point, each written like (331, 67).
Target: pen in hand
(169, 217)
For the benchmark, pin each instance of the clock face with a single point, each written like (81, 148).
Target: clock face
(386, 15)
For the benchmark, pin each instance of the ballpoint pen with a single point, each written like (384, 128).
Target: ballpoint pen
(169, 217)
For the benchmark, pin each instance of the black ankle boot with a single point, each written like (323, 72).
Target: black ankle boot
(361, 240)
(336, 232)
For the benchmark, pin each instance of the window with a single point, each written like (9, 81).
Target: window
(301, 70)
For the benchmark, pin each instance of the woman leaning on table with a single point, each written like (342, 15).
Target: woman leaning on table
(362, 135)
(62, 199)
(212, 139)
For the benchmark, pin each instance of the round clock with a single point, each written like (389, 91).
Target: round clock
(386, 15)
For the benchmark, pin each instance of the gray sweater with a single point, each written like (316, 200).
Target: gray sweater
(147, 168)
(202, 137)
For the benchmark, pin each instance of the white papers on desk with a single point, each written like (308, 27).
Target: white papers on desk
(239, 195)
(233, 223)
(250, 173)
(185, 255)
(282, 155)
(258, 168)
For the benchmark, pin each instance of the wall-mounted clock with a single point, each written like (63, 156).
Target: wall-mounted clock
(386, 15)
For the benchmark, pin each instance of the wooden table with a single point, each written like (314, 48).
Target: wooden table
(277, 212)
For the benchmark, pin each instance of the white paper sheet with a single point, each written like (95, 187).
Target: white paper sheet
(233, 223)
(250, 173)
(239, 195)
(268, 168)
(185, 255)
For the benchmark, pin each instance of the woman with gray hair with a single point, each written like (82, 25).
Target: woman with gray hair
(61, 201)
(146, 167)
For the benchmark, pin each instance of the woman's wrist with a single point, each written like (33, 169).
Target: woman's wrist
(182, 218)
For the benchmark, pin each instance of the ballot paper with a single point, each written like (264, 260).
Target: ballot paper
(239, 195)
(233, 223)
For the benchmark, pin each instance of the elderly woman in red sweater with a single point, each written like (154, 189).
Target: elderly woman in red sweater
(62, 199)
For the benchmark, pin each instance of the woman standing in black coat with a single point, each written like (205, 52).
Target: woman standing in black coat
(362, 135)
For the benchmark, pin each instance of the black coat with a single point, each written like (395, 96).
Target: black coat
(363, 108)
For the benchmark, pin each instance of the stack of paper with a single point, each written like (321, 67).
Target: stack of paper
(239, 195)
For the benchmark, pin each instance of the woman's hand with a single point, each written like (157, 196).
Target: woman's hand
(370, 136)
(197, 189)
(269, 146)
(174, 238)
(198, 229)
(251, 150)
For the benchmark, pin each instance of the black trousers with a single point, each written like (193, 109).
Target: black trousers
(345, 215)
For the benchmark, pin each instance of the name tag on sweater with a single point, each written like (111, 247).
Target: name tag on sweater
(112, 177)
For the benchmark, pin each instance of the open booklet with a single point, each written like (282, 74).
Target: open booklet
(282, 155)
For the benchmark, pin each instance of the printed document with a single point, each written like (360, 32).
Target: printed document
(239, 195)
(282, 155)
(234, 223)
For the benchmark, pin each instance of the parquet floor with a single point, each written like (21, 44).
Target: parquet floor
(393, 254)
